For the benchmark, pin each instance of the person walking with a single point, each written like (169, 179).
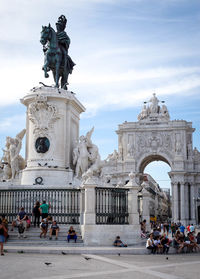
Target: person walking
(3, 230)
(36, 214)
(45, 209)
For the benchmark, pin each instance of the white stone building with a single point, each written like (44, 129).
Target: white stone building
(154, 137)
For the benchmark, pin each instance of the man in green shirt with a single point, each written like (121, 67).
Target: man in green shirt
(44, 209)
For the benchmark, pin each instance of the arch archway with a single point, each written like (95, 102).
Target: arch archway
(159, 198)
(149, 159)
(155, 137)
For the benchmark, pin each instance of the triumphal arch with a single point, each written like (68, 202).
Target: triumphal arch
(154, 137)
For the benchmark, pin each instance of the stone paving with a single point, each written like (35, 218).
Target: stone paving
(21, 266)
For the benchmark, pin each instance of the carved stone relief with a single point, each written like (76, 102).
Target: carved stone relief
(130, 145)
(178, 143)
(42, 114)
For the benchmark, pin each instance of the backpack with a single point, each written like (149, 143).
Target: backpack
(36, 210)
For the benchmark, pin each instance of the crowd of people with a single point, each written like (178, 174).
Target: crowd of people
(41, 219)
(183, 239)
(159, 239)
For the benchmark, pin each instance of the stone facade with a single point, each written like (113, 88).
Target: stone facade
(57, 156)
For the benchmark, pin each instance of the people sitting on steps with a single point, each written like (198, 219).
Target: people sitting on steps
(118, 242)
(21, 219)
(54, 230)
(71, 234)
(44, 227)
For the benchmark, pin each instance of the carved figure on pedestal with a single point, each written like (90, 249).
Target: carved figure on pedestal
(81, 157)
(16, 161)
(164, 112)
(113, 156)
(196, 155)
(178, 144)
(144, 113)
(130, 149)
(12, 161)
(55, 47)
(6, 172)
(154, 108)
(86, 157)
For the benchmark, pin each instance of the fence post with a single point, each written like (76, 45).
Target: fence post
(133, 200)
(89, 216)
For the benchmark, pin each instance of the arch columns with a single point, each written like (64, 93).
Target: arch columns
(182, 202)
(192, 203)
(175, 205)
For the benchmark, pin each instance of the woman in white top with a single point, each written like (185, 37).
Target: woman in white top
(150, 244)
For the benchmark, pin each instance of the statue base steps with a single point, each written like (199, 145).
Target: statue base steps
(46, 176)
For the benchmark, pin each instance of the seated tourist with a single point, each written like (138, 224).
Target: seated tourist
(165, 242)
(198, 238)
(71, 234)
(21, 217)
(150, 244)
(44, 227)
(188, 243)
(119, 243)
(54, 230)
(158, 245)
(193, 242)
(28, 222)
(156, 232)
(179, 238)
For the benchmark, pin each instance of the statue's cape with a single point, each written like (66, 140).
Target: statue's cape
(70, 63)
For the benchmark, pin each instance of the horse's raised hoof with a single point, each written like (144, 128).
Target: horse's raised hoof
(46, 75)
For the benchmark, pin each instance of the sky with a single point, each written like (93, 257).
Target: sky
(124, 51)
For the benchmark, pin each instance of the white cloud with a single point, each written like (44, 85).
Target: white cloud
(16, 123)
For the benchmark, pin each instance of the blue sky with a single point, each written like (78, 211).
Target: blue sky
(123, 50)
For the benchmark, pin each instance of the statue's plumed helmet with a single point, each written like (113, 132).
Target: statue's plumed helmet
(62, 21)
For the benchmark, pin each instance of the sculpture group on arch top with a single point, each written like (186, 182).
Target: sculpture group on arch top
(56, 154)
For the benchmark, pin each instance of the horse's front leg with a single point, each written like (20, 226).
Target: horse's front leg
(57, 73)
(46, 66)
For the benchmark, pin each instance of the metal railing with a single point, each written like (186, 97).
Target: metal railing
(65, 203)
(111, 206)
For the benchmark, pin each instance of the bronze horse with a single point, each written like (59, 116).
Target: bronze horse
(54, 58)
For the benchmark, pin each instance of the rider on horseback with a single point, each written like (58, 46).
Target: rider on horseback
(64, 42)
(55, 47)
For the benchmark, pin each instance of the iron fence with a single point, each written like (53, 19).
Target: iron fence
(64, 203)
(111, 206)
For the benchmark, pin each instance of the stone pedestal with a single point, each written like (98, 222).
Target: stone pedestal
(52, 127)
(89, 216)
(133, 200)
(146, 208)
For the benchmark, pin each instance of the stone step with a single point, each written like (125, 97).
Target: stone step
(53, 242)
(33, 237)
(36, 234)
(104, 250)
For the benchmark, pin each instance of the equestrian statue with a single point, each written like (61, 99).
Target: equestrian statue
(55, 47)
